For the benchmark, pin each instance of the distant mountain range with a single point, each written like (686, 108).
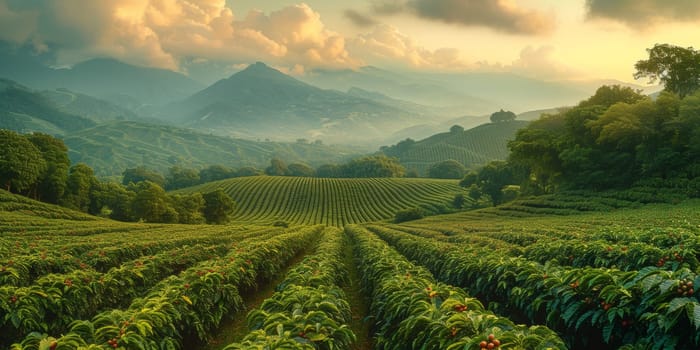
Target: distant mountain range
(364, 108)
(115, 81)
(109, 148)
(111, 139)
(262, 102)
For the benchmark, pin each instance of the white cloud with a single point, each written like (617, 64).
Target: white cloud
(161, 32)
(387, 44)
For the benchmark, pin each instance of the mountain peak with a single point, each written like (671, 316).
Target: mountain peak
(260, 68)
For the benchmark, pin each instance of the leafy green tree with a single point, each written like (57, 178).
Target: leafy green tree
(328, 171)
(373, 166)
(537, 148)
(248, 171)
(456, 129)
(218, 206)
(79, 186)
(301, 170)
(141, 173)
(502, 116)
(151, 203)
(21, 162)
(114, 200)
(277, 167)
(458, 201)
(188, 207)
(409, 214)
(608, 95)
(215, 173)
(52, 182)
(493, 179)
(676, 67)
(179, 177)
(448, 169)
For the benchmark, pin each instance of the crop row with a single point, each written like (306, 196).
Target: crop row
(22, 270)
(650, 308)
(186, 305)
(412, 310)
(333, 202)
(309, 310)
(81, 293)
(668, 250)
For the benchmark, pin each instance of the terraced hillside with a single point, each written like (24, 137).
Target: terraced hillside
(472, 147)
(334, 202)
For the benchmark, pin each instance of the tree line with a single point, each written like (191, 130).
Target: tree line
(616, 139)
(37, 166)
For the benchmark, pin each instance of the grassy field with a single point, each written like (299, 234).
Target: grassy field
(617, 279)
(333, 202)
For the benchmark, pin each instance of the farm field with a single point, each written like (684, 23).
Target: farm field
(606, 280)
(332, 202)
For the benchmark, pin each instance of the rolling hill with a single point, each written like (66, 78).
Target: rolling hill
(334, 202)
(25, 110)
(261, 102)
(472, 147)
(111, 147)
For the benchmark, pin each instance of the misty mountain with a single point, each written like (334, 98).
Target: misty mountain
(413, 87)
(261, 102)
(421, 131)
(103, 78)
(111, 147)
(463, 93)
(88, 106)
(24, 110)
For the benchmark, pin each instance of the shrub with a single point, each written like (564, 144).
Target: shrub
(408, 215)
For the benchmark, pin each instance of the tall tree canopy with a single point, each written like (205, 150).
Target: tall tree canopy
(502, 116)
(52, 182)
(447, 169)
(141, 173)
(21, 162)
(218, 206)
(676, 67)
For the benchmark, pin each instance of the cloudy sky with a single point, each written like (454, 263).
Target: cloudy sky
(547, 39)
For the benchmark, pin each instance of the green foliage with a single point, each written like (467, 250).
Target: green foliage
(277, 167)
(502, 116)
(448, 169)
(141, 173)
(179, 177)
(217, 207)
(151, 204)
(458, 201)
(493, 180)
(189, 207)
(614, 139)
(52, 182)
(328, 171)
(216, 172)
(298, 169)
(79, 187)
(408, 214)
(674, 66)
(309, 307)
(21, 162)
(372, 166)
(455, 129)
